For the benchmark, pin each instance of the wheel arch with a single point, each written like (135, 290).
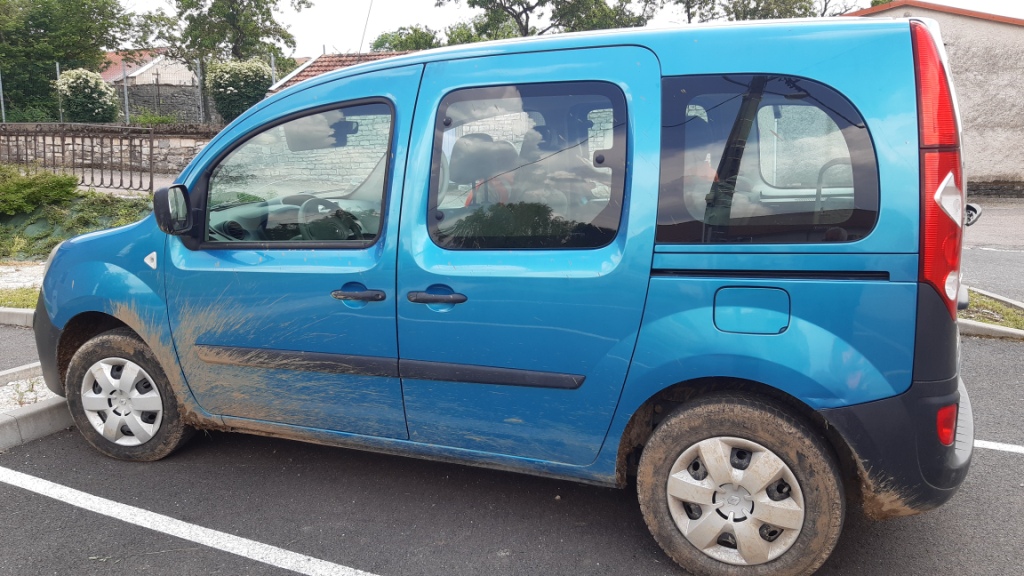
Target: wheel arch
(79, 330)
(653, 410)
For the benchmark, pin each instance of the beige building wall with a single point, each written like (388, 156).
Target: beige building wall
(987, 60)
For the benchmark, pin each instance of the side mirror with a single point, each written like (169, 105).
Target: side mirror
(172, 210)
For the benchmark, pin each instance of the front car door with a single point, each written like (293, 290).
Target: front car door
(283, 309)
(524, 260)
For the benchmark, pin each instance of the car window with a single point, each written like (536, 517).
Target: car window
(763, 159)
(532, 166)
(319, 177)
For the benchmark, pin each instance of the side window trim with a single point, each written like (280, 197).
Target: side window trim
(199, 195)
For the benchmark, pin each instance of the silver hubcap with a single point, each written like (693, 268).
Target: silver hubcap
(121, 401)
(735, 500)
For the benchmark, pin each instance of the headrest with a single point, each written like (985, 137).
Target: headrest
(478, 157)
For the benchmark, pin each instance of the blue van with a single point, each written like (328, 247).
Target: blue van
(723, 260)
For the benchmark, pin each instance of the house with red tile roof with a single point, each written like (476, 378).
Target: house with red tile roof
(327, 63)
(156, 84)
(986, 56)
(142, 67)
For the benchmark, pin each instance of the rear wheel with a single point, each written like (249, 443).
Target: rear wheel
(121, 400)
(734, 485)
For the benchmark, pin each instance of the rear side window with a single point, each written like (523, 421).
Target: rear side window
(528, 166)
(763, 159)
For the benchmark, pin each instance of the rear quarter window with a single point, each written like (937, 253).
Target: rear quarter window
(763, 159)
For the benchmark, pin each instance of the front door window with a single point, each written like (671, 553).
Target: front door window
(316, 178)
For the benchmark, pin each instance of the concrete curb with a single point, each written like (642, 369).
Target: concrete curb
(974, 328)
(33, 422)
(21, 373)
(16, 316)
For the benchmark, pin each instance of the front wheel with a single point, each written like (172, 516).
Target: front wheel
(734, 485)
(121, 400)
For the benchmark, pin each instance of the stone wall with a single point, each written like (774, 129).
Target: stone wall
(172, 153)
(181, 102)
(995, 190)
(103, 147)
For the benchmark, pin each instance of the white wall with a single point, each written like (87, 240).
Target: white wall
(987, 60)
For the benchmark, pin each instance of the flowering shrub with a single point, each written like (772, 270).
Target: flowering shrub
(236, 86)
(85, 97)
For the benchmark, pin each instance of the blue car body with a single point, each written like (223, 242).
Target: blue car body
(251, 339)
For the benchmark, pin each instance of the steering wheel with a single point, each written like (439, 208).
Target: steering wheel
(321, 219)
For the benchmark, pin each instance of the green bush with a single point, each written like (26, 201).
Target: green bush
(85, 97)
(236, 86)
(32, 236)
(23, 193)
(149, 118)
(39, 210)
(32, 113)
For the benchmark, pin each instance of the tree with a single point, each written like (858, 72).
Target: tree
(200, 32)
(580, 15)
(826, 8)
(406, 38)
(564, 15)
(85, 97)
(214, 30)
(879, 2)
(36, 34)
(236, 86)
(494, 26)
(766, 9)
(699, 10)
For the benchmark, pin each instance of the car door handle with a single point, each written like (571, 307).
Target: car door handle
(359, 295)
(428, 298)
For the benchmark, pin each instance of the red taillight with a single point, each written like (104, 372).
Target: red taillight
(942, 180)
(934, 96)
(945, 424)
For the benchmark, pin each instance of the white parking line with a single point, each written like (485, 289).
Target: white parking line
(244, 547)
(999, 446)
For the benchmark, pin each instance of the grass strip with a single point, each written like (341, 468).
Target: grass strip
(990, 311)
(18, 297)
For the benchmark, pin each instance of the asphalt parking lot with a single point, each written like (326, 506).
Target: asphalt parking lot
(18, 346)
(334, 511)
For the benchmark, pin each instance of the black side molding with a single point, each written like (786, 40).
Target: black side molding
(300, 361)
(444, 371)
(385, 367)
(777, 274)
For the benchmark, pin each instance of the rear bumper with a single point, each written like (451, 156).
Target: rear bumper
(902, 467)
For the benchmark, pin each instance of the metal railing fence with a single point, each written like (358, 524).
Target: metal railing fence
(101, 155)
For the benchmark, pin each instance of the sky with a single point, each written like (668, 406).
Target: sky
(337, 26)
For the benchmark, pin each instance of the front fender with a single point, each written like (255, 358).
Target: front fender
(107, 272)
(118, 273)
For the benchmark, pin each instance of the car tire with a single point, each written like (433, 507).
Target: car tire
(121, 400)
(736, 485)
